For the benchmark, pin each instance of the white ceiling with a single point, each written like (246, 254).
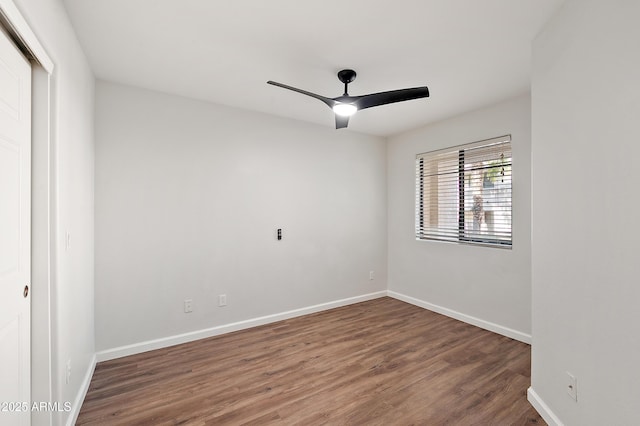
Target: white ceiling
(470, 53)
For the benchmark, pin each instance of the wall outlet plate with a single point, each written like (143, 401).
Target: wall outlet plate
(67, 377)
(572, 386)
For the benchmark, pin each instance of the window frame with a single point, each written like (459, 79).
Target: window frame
(463, 231)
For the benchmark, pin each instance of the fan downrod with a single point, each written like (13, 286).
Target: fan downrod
(346, 76)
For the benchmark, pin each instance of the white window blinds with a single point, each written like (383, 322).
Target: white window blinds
(463, 193)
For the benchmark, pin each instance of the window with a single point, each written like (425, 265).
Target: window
(463, 193)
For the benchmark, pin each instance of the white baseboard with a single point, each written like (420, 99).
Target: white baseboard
(82, 392)
(542, 408)
(496, 328)
(228, 328)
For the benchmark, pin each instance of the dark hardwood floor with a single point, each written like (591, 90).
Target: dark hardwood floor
(381, 362)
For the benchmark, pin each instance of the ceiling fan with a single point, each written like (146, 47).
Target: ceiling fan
(345, 106)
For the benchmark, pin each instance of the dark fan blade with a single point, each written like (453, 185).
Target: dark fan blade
(328, 101)
(382, 98)
(341, 121)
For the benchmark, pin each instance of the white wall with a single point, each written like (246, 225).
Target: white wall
(586, 175)
(72, 163)
(188, 199)
(489, 287)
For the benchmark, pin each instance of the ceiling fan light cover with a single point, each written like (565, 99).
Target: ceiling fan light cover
(345, 110)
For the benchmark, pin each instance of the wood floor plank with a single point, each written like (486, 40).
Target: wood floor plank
(381, 362)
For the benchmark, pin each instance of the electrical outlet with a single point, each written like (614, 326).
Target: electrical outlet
(222, 300)
(371, 275)
(572, 386)
(67, 377)
(188, 306)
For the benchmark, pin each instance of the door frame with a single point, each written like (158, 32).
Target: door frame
(43, 215)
